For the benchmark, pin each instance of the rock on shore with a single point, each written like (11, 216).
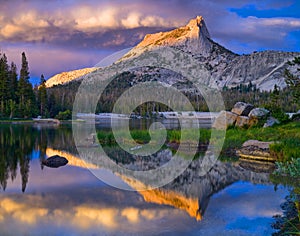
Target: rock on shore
(256, 150)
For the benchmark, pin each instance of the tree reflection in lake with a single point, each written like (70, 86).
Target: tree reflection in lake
(18, 144)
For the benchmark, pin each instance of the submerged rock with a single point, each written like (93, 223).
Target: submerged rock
(242, 108)
(55, 161)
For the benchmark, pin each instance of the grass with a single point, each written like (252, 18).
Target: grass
(5, 121)
(290, 168)
(286, 138)
(189, 135)
(106, 138)
(143, 136)
(285, 148)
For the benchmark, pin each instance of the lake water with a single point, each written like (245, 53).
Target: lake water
(231, 199)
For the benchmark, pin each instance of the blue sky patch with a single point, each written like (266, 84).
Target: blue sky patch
(252, 10)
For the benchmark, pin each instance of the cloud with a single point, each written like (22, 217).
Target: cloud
(86, 216)
(292, 23)
(99, 24)
(89, 21)
(65, 30)
(37, 212)
(132, 214)
(86, 18)
(21, 212)
(132, 20)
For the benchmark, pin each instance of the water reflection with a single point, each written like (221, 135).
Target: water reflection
(16, 145)
(75, 202)
(21, 143)
(116, 212)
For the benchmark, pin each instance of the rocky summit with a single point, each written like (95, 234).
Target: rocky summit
(193, 38)
(222, 67)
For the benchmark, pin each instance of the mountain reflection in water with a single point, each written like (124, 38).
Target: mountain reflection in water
(75, 201)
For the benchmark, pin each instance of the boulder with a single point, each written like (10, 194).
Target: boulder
(259, 113)
(242, 108)
(270, 122)
(55, 161)
(256, 150)
(253, 121)
(242, 121)
(224, 120)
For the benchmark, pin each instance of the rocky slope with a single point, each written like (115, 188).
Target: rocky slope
(265, 69)
(223, 67)
(66, 77)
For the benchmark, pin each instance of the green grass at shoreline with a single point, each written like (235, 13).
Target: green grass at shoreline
(286, 138)
(16, 121)
(143, 136)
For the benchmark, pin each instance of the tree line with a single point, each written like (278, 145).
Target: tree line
(18, 98)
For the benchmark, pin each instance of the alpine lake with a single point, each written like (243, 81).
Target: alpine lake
(232, 198)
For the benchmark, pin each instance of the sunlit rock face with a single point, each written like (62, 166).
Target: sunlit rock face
(193, 38)
(66, 77)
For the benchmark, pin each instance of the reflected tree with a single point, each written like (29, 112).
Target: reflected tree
(16, 145)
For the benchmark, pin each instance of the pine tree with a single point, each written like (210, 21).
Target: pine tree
(4, 82)
(42, 97)
(293, 81)
(13, 90)
(27, 103)
(13, 82)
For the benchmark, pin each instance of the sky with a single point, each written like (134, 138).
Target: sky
(62, 35)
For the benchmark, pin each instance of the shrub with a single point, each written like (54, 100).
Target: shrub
(290, 168)
(280, 115)
(64, 115)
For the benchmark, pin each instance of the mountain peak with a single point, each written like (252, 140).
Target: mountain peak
(193, 38)
(195, 21)
(197, 24)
